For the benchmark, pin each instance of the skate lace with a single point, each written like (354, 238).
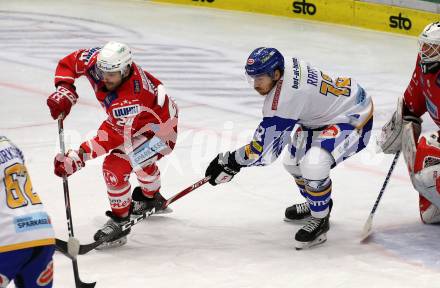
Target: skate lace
(312, 224)
(303, 208)
(110, 227)
(139, 205)
(148, 204)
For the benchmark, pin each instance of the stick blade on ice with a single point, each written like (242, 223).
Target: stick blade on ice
(367, 231)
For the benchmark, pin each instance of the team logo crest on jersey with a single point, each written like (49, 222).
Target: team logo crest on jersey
(4, 281)
(46, 276)
(330, 132)
(126, 111)
(110, 178)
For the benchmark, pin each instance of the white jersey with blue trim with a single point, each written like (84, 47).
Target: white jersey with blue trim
(305, 96)
(23, 220)
(314, 99)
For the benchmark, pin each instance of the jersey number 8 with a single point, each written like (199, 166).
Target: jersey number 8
(18, 184)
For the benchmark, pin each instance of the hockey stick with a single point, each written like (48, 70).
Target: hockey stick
(78, 282)
(367, 231)
(186, 191)
(63, 246)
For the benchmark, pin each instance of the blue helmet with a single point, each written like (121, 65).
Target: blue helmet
(264, 61)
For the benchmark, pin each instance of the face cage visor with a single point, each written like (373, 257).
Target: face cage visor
(429, 51)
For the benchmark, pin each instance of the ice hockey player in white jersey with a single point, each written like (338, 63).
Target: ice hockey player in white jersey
(333, 120)
(27, 240)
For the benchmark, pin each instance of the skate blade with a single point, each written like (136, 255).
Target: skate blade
(305, 245)
(113, 244)
(300, 221)
(167, 210)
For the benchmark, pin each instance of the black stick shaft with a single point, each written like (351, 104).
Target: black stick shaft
(78, 282)
(65, 183)
(385, 183)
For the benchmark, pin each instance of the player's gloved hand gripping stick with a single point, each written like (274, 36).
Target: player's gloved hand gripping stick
(72, 240)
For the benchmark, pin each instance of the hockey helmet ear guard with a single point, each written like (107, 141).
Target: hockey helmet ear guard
(429, 43)
(114, 57)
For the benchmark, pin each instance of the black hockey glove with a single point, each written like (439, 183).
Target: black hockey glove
(223, 168)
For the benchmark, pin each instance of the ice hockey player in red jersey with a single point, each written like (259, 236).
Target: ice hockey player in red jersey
(402, 132)
(140, 129)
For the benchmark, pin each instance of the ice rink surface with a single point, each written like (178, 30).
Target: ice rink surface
(231, 235)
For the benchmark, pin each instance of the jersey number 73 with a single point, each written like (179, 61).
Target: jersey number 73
(341, 86)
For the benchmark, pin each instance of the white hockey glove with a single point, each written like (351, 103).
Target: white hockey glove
(390, 140)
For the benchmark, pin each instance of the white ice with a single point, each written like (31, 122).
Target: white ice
(231, 235)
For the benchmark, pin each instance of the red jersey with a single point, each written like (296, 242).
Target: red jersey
(138, 106)
(423, 93)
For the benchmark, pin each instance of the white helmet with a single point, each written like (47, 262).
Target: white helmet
(429, 43)
(114, 57)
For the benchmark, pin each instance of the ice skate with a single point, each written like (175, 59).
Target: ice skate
(142, 204)
(313, 233)
(300, 213)
(297, 213)
(113, 225)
